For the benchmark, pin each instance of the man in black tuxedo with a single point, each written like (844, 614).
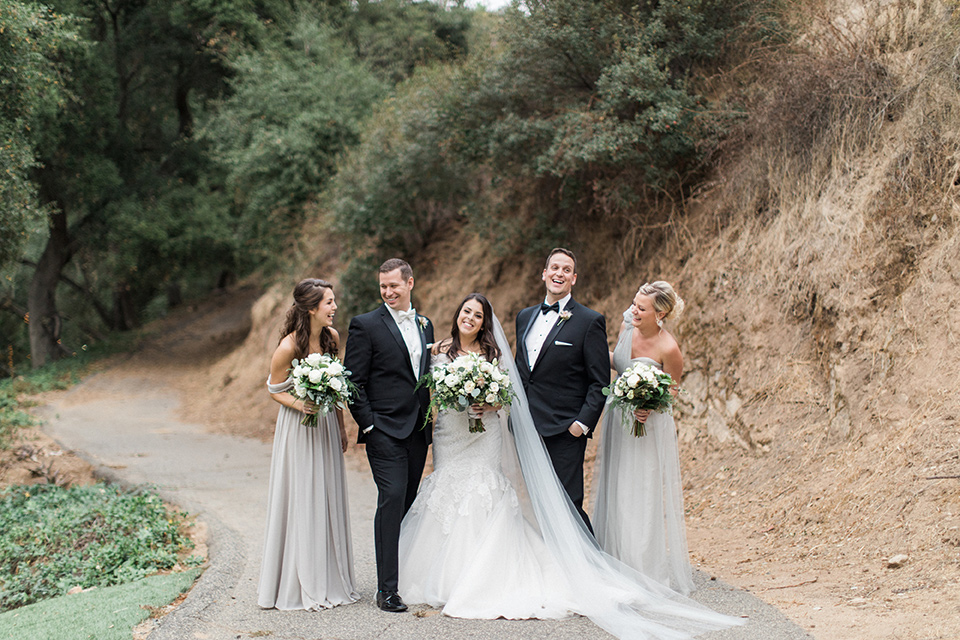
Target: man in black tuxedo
(386, 353)
(563, 361)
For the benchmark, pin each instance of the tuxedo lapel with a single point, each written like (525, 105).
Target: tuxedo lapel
(522, 340)
(394, 330)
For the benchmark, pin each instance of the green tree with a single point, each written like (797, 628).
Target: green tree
(297, 102)
(32, 38)
(115, 160)
(395, 36)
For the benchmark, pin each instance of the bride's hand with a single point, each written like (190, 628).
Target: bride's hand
(475, 411)
(641, 414)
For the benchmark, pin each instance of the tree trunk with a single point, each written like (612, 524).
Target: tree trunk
(44, 320)
(125, 315)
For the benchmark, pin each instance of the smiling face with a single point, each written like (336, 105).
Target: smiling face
(326, 310)
(644, 315)
(395, 290)
(559, 276)
(470, 320)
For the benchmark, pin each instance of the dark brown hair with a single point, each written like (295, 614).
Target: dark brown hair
(306, 296)
(406, 272)
(565, 252)
(488, 344)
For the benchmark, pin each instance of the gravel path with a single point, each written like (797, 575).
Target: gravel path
(223, 480)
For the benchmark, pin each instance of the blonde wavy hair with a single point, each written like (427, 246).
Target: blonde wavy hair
(664, 298)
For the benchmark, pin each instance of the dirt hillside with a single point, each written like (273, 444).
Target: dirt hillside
(821, 270)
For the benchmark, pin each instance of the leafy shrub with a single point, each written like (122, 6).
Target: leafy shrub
(52, 539)
(572, 109)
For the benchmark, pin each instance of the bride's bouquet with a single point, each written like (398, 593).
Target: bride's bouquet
(641, 387)
(322, 379)
(468, 380)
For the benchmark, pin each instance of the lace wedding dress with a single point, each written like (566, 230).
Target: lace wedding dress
(465, 544)
(492, 533)
(638, 498)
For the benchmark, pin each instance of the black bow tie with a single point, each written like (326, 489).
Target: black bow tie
(545, 308)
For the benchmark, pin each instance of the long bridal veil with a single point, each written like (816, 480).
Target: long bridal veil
(615, 597)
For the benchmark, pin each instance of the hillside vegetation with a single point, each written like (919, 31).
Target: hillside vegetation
(791, 167)
(818, 255)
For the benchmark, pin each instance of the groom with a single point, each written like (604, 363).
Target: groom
(563, 362)
(387, 352)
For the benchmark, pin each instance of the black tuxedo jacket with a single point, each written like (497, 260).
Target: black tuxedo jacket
(379, 365)
(567, 380)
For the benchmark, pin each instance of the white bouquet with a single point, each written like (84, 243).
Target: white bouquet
(468, 380)
(641, 387)
(321, 379)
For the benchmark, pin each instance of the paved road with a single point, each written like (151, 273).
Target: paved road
(128, 429)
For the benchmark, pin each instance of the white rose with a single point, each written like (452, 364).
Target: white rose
(335, 384)
(494, 387)
(315, 376)
(633, 380)
(451, 380)
(298, 372)
(335, 368)
(313, 359)
(491, 398)
(469, 386)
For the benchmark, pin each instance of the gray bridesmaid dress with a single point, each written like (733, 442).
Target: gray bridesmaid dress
(307, 550)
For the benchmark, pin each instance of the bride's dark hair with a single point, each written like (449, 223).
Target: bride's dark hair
(485, 337)
(306, 296)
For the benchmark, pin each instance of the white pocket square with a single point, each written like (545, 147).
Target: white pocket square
(562, 344)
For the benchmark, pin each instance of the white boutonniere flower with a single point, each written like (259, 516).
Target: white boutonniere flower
(564, 316)
(423, 322)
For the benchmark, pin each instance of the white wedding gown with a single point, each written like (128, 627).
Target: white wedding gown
(638, 498)
(465, 545)
(486, 542)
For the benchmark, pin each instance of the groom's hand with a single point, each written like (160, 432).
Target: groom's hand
(575, 430)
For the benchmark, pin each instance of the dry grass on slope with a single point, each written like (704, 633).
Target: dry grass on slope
(823, 333)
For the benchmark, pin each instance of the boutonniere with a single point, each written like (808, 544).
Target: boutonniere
(423, 322)
(564, 316)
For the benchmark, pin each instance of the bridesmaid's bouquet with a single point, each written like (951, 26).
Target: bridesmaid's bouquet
(469, 379)
(322, 379)
(641, 387)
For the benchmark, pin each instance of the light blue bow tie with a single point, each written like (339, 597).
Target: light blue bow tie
(403, 316)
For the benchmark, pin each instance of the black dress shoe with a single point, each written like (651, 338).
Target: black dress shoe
(390, 601)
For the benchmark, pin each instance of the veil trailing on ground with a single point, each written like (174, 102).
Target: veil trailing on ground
(615, 597)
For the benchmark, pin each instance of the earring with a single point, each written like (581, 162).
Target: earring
(660, 322)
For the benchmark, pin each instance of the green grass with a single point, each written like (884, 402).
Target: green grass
(102, 614)
(52, 539)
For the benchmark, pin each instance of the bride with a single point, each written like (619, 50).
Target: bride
(493, 534)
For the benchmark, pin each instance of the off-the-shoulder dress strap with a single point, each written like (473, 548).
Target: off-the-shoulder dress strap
(286, 385)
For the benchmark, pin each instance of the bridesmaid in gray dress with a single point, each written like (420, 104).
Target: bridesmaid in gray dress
(638, 499)
(307, 551)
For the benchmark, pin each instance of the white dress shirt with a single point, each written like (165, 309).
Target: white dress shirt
(541, 326)
(411, 336)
